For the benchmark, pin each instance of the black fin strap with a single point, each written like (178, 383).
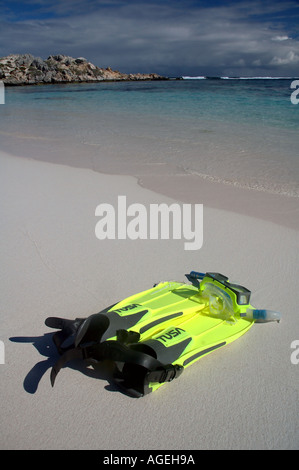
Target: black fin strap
(81, 352)
(69, 355)
(115, 351)
(109, 350)
(166, 374)
(127, 337)
(156, 370)
(58, 339)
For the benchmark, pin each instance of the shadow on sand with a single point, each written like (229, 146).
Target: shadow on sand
(46, 347)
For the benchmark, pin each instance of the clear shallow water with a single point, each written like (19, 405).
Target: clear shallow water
(240, 132)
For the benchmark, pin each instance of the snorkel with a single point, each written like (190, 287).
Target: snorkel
(230, 301)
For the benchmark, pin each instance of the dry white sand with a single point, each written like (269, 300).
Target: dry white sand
(242, 396)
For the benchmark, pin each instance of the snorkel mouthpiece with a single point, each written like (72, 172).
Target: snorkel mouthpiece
(231, 301)
(226, 300)
(219, 302)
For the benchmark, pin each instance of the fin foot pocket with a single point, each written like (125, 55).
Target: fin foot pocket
(92, 329)
(64, 339)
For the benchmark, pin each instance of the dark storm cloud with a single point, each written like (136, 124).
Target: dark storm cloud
(169, 37)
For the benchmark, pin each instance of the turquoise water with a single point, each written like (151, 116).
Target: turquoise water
(238, 100)
(241, 132)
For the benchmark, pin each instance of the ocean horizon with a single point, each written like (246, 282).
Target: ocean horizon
(206, 77)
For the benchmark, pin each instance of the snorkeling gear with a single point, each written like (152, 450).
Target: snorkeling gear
(152, 336)
(125, 320)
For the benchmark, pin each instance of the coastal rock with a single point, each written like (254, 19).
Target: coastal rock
(25, 69)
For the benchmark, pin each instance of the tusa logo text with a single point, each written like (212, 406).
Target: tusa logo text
(128, 307)
(173, 333)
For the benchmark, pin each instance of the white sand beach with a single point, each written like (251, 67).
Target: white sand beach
(245, 396)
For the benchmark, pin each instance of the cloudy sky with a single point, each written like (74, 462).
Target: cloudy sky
(170, 37)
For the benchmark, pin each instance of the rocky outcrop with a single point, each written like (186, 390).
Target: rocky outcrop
(17, 69)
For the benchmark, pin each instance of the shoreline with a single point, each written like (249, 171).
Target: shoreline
(79, 82)
(188, 188)
(275, 208)
(148, 79)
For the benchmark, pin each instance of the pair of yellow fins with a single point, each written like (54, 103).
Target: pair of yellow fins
(152, 336)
